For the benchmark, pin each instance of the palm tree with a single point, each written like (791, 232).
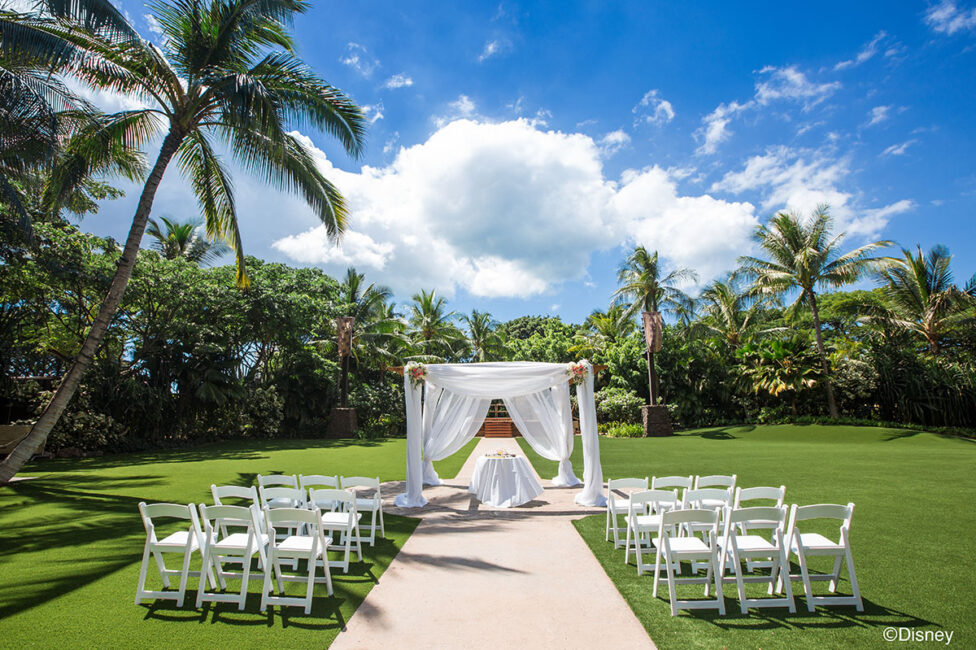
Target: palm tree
(225, 70)
(486, 343)
(922, 296)
(729, 310)
(600, 329)
(645, 288)
(804, 256)
(184, 241)
(432, 330)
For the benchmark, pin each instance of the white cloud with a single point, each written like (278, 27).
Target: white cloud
(390, 145)
(153, 24)
(511, 209)
(878, 114)
(491, 48)
(791, 84)
(359, 59)
(373, 112)
(398, 81)
(867, 53)
(613, 142)
(897, 149)
(715, 126)
(947, 18)
(653, 109)
(800, 180)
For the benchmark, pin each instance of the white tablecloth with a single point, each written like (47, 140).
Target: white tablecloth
(504, 482)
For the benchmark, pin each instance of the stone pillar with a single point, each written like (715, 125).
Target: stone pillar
(657, 421)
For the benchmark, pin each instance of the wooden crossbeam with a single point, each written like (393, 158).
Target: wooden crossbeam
(599, 367)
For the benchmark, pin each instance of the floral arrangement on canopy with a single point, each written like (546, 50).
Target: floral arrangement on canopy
(577, 373)
(417, 372)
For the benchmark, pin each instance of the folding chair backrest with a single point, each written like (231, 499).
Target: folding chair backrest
(626, 484)
(151, 511)
(327, 495)
(824, 511)
(715, 480)
(284, 480)
(346, 482)
(317, 481)
(291, 517)
(758, 516)
(690, 516)
(653, 500)
(755, 493)
(214, 516)
(282, 497)
(222, 492)
(662, 482)
(709, 498)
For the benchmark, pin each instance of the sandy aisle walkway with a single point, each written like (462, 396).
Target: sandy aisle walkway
(472, 576)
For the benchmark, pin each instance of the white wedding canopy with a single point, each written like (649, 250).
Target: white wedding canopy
(455, 401)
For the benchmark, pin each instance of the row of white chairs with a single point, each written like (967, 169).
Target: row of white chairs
(286, 490)
(235, 535)
(712, 529)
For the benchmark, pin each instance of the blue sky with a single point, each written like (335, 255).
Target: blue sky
(517, 151)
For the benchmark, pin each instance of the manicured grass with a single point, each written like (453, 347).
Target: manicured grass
(71, 541)
(913, 530)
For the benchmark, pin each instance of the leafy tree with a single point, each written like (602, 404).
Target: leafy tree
(779, 366)
(730, 310)
(922, 296)
(600, 329)
(184, 240)
(483, 337)
(227, 70)
(804, 256)
(431, 329)
(646, 288)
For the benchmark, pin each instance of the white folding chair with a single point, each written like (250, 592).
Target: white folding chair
(236, 547)
(715, 480)
(618, 489)
(746, 498)
(716, 499)
(807, 545)
(278, 481)
(675, 548)
(643, 519)
(182, 542)
(367, 503)
(318, 481)
(221, 493)
(344, 520)
(281, 497)
(741, 546)
(669, 482)
(310, 546)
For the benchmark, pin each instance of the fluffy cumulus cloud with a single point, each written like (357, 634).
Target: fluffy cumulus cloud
(613, 142)
(947, 18)
(800, 180)
(653, 109)
(511, 210)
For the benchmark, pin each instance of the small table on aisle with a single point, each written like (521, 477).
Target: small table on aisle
(504, 481)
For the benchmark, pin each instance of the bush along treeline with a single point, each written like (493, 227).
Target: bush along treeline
(190, 357)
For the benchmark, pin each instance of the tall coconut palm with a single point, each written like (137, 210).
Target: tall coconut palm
(432, 330)
(922, 296)
(184, 241)
(226, 71)
(486, 344)
(600, 329)
(646, 288)
(804, 256)
(729, 309)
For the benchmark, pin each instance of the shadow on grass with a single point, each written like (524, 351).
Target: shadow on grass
(898, 434)
(235, 450)
(325, 615)
(717, 433)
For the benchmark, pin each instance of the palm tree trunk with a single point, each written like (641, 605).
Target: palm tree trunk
(831, 402)
(651, 378)
(70, 382)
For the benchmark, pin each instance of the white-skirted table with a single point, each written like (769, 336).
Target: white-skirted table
(504, 482)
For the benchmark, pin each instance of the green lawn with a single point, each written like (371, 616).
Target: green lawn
(913, 531)
(71, 541)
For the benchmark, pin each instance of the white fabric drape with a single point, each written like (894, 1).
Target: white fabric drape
(450, 420)
(545, 420)
(457, 400)
(592, 492)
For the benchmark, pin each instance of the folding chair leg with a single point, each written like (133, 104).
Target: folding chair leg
(310, 585)
(141, 587)
(835, 574)
(717, 573)
(244, 580)
(640, 561)
(184, 574)
(672, 592)
(382, 525)
(855, 590)
(627, 546)
(807, 588)
(162, 568)
(657, 569)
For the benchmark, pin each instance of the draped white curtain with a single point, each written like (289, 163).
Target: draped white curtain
(546, 422)
(450, 420)
(456, 400)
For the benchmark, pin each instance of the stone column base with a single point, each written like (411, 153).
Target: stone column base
(342, 423)
(657, 421)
